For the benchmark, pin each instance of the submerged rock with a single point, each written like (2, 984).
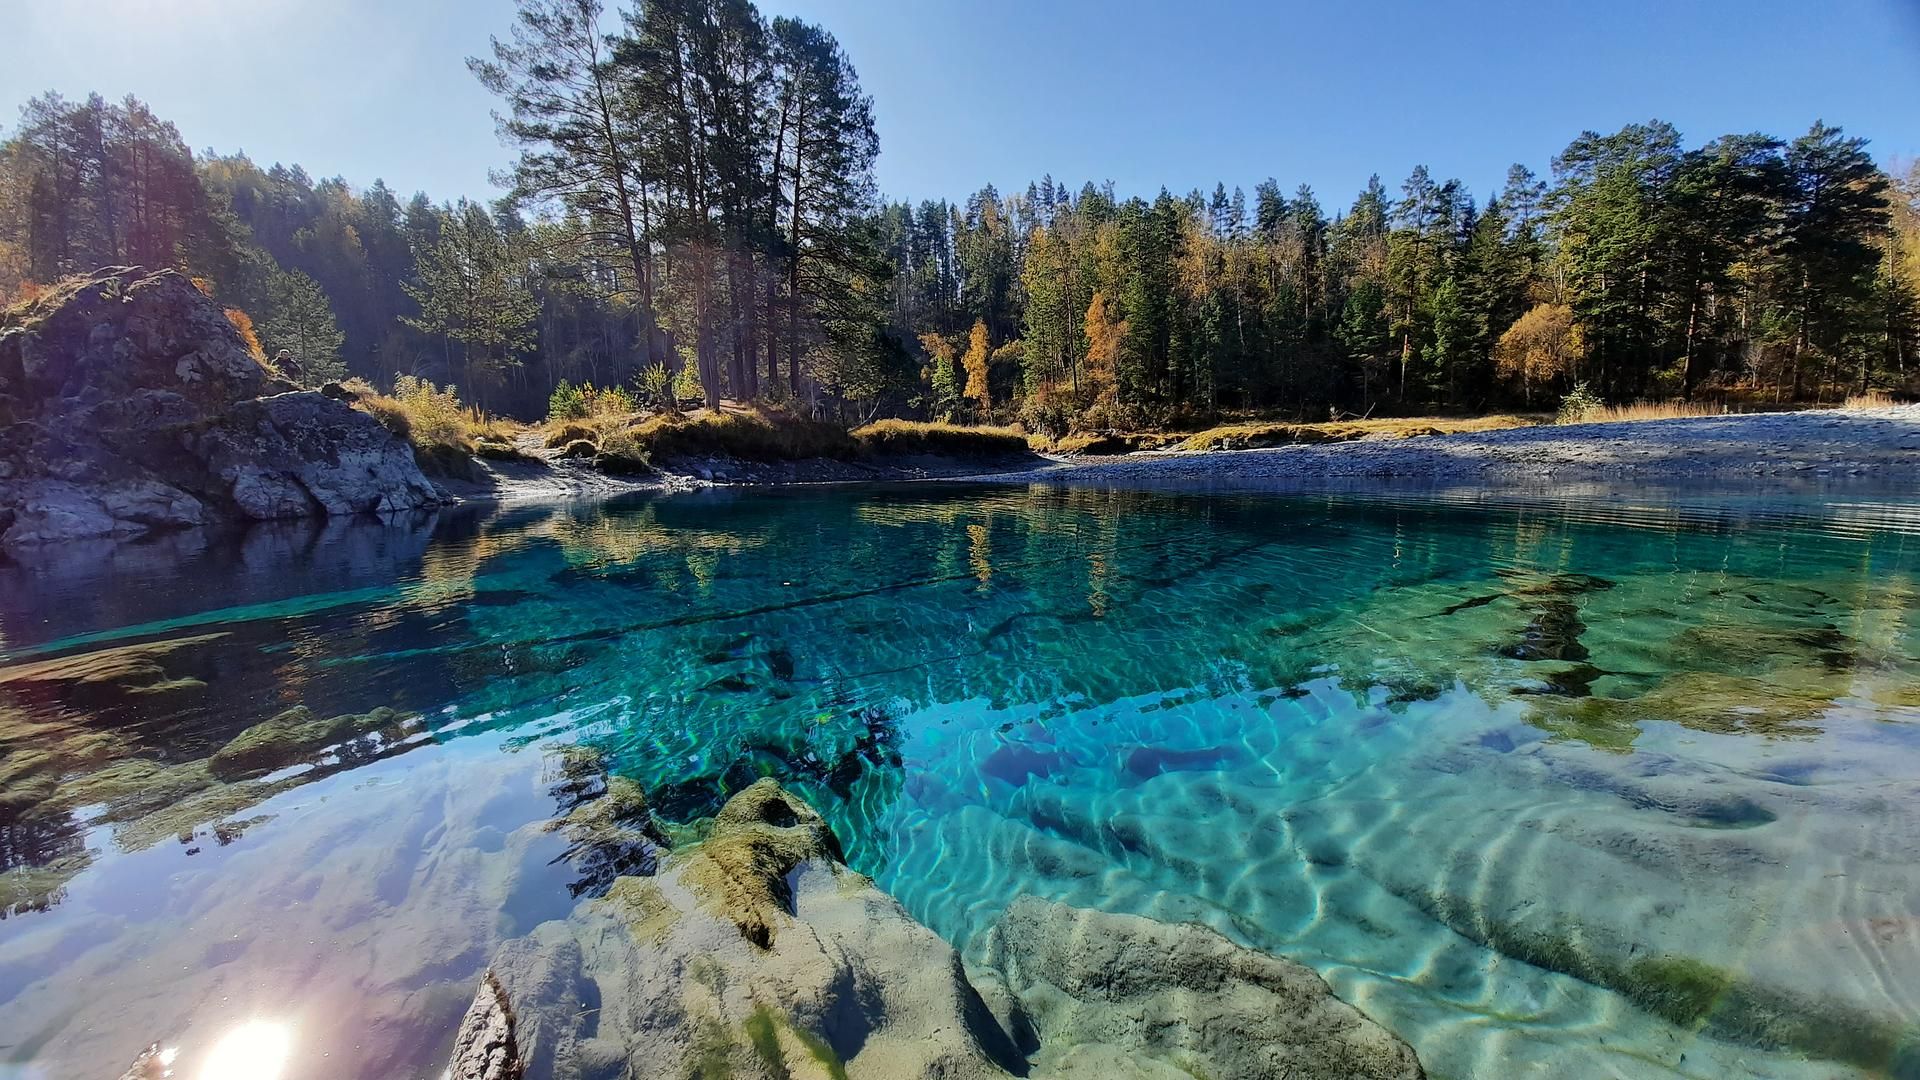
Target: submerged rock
(128, 404)
(105, 676)
(289, 736)
(755, 954)
(485, 1048)
(1124, 996)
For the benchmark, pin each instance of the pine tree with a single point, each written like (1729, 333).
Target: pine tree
(1836, 208)
(299, 322)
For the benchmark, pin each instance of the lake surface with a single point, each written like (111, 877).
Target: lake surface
(1595, 787)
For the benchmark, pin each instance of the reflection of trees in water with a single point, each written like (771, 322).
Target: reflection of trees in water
(703, 643)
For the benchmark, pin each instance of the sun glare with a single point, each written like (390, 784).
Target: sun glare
(256, 1050)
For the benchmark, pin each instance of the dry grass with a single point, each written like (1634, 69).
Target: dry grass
(1098, 444)
(1875, 399)
(444, 433)
(1248, 436)
(1648, 410)
(755, 433)
(912, 437)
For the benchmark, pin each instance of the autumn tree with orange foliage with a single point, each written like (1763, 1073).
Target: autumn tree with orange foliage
(1105, 334)
(975, 364)
(1542, 345)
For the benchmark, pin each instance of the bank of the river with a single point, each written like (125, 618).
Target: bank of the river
(1879, 443)
(1880, 446)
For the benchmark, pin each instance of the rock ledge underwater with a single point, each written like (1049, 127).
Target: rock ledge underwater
(755, 953)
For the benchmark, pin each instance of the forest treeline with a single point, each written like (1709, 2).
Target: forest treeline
(692, 205)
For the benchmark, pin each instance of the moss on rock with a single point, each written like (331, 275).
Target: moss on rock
(291, 735)
(758, 838)
(105, 675)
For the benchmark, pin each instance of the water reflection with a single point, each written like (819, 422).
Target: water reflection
(986, 691)
(256, 1050)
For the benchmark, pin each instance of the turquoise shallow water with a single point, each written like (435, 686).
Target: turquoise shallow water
(1594, 788)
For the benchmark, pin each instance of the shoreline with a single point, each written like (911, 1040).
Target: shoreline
(1805, 452)
(1812, 446)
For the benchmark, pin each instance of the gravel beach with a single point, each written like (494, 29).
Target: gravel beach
(1880, 445)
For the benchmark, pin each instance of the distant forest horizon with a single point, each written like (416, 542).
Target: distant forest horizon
(694, 195)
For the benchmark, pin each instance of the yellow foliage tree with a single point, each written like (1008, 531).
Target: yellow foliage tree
(975, 363)
(940, 375)
(1541, 345)
(1902, 243)
(1104, 336)
(244, 324)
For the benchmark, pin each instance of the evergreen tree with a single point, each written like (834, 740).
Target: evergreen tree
(299, 323)
(1836, 209)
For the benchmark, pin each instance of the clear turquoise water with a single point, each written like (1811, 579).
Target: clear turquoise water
(1592, 788)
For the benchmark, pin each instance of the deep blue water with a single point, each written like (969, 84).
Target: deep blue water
(1549, 787)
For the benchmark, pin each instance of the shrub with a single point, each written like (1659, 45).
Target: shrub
(686, 385)
(434, 414)
(567, 402)
(911, 437)
(580, 448)
(612, 401)
(243, 325)
(429, 417)
(1578, 404)
(655, 387)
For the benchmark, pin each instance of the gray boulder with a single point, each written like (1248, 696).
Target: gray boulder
(291, 455)
(129, 404)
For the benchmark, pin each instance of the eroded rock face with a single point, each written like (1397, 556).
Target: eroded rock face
(128, 404)
(756, 954)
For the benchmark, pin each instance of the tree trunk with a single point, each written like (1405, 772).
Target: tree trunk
(793, 255)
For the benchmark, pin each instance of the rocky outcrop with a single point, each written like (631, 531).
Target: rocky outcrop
(128, 403)
(754, 953)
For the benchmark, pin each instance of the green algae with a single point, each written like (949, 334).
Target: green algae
(741, 870)
(764, 1029)
(1692, 993)
(646, 911)
(290, 736)
(1678, 988)
(26, 889)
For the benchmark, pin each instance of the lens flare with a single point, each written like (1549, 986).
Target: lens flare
(256, 1050)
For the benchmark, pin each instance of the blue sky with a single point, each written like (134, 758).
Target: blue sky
(1180, 94)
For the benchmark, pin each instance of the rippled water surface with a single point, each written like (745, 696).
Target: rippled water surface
(1550, 789)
